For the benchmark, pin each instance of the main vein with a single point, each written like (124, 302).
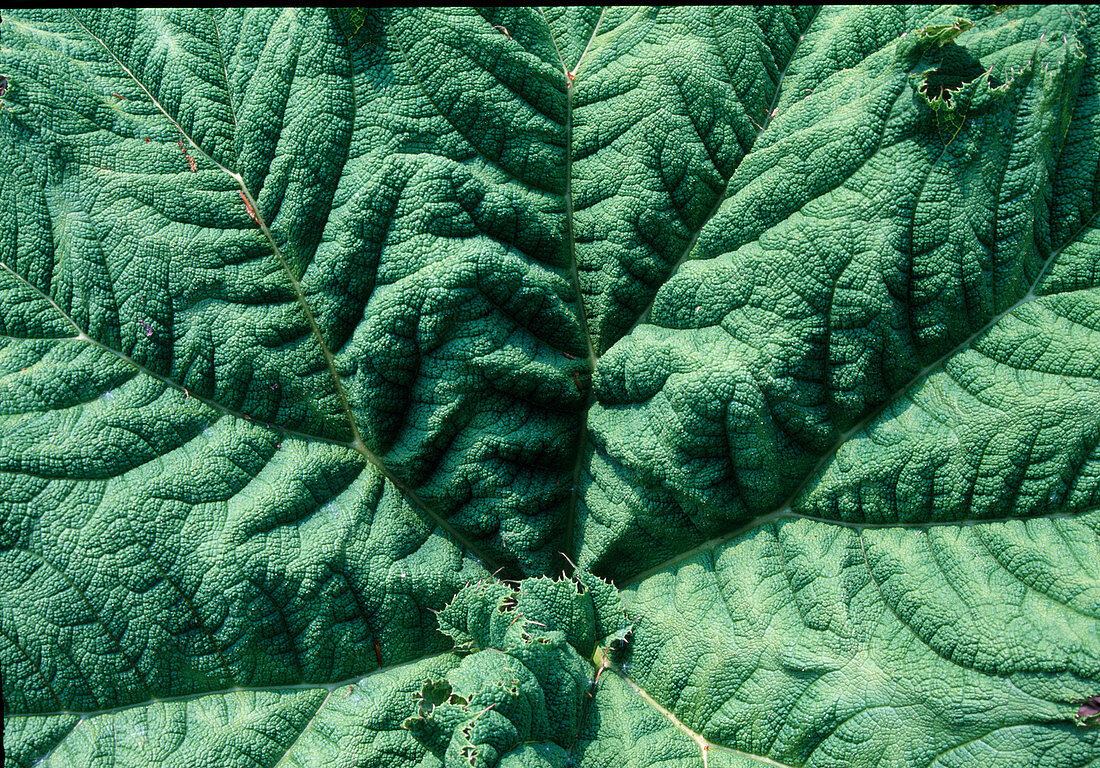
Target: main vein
(570, 76)
(785, 508)
(643, 316)
(258, 217)
(357, 443)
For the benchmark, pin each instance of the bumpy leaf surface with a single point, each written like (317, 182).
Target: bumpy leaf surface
(328, 338)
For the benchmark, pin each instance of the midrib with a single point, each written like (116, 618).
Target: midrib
(254, 210)
(783, 510)
(570, 76)
(643, 316)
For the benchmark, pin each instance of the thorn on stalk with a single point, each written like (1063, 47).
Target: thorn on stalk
(593, 684)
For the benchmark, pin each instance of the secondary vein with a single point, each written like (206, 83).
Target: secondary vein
(356, 443)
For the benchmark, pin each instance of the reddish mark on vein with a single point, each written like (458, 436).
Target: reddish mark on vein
(577, 383)
(190, 160)
(146, 139)
(598, 673)
(248, 206)
(503, 29)
(119, 97)
(378, 652)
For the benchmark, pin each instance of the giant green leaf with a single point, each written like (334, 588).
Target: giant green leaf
(328, 339)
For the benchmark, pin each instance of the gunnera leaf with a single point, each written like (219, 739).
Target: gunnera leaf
(329, 338)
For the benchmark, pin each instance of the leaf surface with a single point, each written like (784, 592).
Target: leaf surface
(327, 338)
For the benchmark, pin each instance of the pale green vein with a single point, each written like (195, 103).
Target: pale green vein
(187, 394)
(302, 732)
(786, 514)
(257, 216)
(643, 316)
(705, 745)
(570, 76)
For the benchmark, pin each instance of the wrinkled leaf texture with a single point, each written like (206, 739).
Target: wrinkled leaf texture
(327, 339)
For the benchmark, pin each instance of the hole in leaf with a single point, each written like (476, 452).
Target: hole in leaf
(957, 67)
(434, 693)
(1088, 713)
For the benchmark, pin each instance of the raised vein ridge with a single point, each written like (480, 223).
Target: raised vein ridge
(357, 442)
